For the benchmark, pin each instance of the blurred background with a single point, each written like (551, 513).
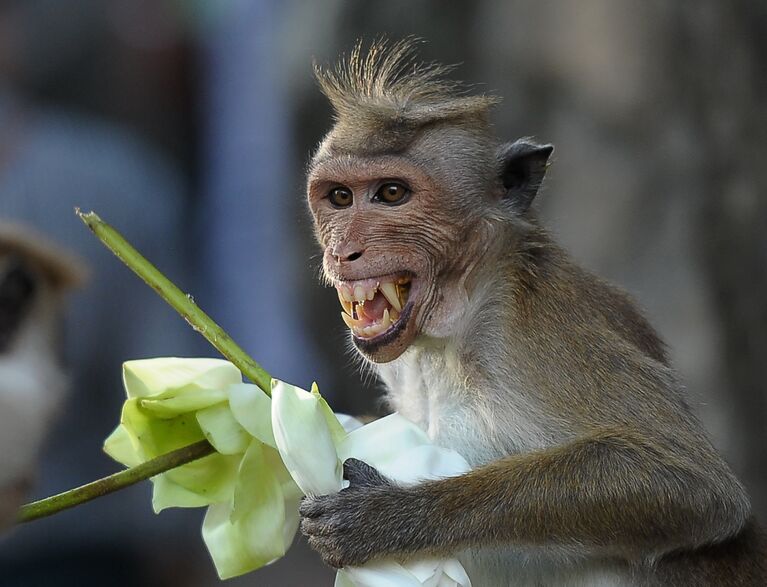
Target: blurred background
(188, 125)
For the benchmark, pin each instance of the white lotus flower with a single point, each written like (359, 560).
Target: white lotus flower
(313, 446)
(252, 500)
(269, 452)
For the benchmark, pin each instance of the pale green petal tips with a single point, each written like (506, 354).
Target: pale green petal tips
(252, 408)
(337, 431)
(222, 430)
(212, 477)
(152, 436)
(183, 400)
(150, 377)
(249, 532)
(120, 447)
(167, 494)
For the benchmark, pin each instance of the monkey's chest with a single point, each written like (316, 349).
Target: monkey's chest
(481, 423)
(486, 424)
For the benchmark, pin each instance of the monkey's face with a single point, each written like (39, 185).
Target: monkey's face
(392, 240)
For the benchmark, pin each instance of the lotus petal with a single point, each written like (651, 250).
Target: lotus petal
(222, 430)
(151, 377)
(120, 447)
(212, 477)
(251, 532)
(424, 462)
(304, 439)
(381, 574)
(252, 408)
(337, 431)
(175, 402)
(167, 494)
(382, 441)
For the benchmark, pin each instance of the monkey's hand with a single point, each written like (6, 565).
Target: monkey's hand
(372, 517)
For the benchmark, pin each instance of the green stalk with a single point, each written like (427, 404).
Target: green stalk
(105, 486)
(181, 302)
(197, 319)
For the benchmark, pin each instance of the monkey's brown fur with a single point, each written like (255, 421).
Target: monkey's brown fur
(589, 467)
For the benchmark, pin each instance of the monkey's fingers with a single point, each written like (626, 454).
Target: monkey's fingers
(360, 474)
(312, 507)
(317, 527)
(327, 550)
(341, 551)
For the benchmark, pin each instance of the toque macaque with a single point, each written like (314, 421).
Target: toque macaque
(589, 467)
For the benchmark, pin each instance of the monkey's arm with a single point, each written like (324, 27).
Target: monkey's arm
(614, 491)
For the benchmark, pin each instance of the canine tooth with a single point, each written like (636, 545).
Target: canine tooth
(386, 320)
(348, 319)
(359, 293)
(394, 315)
(389, 290)
(347, 306)
(402, 293)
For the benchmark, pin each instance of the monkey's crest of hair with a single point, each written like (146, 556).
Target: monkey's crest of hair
(387, 84)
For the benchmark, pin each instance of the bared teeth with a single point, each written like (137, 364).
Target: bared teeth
(353, 297)
(403, 289)
(347, 306)
(389, 291)
(354, 325)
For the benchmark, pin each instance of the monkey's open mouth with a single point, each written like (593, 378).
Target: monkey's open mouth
(373, 307)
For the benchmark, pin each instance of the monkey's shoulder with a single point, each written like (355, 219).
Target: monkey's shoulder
(564, 297)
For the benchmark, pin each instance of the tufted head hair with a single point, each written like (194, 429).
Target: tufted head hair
(383, 96)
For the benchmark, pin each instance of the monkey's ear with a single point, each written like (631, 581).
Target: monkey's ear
(523, 165)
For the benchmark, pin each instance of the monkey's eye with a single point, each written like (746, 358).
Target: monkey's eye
(340, 197)
(392, 194)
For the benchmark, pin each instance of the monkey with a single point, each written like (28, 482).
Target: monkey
(34, 277)
(588, 465)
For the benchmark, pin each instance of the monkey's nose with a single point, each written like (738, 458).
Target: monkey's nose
(348, 252)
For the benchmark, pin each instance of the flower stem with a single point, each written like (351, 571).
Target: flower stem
(197, 319)
(181, 302)
(73, 497)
